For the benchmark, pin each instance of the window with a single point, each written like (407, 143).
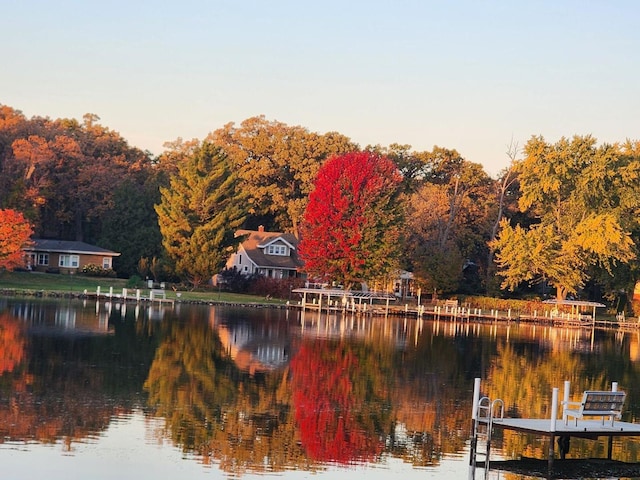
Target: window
(276, 250)
(43, 259)
(69, 261)
(106, 263)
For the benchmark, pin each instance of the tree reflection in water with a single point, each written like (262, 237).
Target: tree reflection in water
(12, 343)
(338, 412)
(256, 390)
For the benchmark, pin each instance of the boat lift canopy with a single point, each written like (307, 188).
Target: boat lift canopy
(345, 295)
(577, 305)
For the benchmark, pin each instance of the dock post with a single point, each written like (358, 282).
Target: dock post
(476, 399)
(98, 291)
(554, 409)
(138, 295)
(474, 422)
(614, 388)
(552, 426)
(566, 398)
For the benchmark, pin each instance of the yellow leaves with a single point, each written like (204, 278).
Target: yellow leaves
(603, 236)
(534, 254)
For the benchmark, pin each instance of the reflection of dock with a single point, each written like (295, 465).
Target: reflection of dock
(567, 469)
(487, 416)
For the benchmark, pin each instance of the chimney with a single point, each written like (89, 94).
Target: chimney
(261, 228)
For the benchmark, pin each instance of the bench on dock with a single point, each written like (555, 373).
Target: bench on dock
(157, 293)
(451, 303)
(595, 404)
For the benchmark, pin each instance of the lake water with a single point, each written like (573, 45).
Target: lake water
(103, 391)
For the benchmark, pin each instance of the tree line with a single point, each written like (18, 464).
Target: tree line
(562, 215)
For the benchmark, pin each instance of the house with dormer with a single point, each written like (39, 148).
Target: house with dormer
(270, 254)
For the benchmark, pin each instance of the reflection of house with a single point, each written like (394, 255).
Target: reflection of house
(271, 254)
(66, 256)
(254, 351)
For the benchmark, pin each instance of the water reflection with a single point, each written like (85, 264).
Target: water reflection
(254, 391)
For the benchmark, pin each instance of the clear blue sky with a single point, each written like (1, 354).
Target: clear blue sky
(466, 75)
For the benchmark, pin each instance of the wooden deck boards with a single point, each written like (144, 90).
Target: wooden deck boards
(585, 428)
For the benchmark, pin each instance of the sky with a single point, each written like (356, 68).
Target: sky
(474, 76)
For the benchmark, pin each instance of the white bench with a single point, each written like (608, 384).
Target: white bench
(451, 303)
(595, 404)
(157, 293)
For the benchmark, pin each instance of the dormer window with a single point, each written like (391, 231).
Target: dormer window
(277, 250)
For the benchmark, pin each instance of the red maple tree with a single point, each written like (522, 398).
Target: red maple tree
(15, 232)
(350, 229)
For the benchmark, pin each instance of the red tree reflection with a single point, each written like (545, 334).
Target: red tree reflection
(328, 406)
(12, 343)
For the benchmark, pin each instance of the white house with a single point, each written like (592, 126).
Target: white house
(271, 254)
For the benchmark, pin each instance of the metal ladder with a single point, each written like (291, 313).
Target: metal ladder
(483, 427)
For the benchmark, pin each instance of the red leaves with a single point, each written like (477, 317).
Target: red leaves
(351, 193)
(326, 406)
(12, 344)
(15, 232)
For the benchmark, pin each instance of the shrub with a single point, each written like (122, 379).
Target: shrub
(275, 287)
(233, 280)
(134, 281)
(93, 270)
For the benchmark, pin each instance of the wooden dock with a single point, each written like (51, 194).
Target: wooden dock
(131, 296)
(485, 417)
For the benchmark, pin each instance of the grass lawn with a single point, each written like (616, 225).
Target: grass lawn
(30, 282)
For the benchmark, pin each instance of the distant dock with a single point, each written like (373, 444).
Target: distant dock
(152, 295)
(371, 303)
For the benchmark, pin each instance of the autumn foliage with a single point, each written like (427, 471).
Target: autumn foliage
(350, 231)
(326, 405)
(12, 344)
(15, 232)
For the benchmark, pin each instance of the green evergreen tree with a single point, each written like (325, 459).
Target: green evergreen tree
(131, 227)
(199, 213)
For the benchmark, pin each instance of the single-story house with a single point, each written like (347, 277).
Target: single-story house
(66, 256)
(271, 254)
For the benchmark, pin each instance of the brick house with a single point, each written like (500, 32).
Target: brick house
(66, 256)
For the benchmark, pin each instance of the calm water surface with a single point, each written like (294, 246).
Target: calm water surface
(100, 391)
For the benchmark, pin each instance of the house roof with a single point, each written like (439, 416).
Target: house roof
(254, 244)
(67, 246)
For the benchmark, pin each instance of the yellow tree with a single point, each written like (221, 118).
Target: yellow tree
(584, 200)
(277, 164)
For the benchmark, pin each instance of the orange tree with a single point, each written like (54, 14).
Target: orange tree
(351, 226)
(15, 232)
